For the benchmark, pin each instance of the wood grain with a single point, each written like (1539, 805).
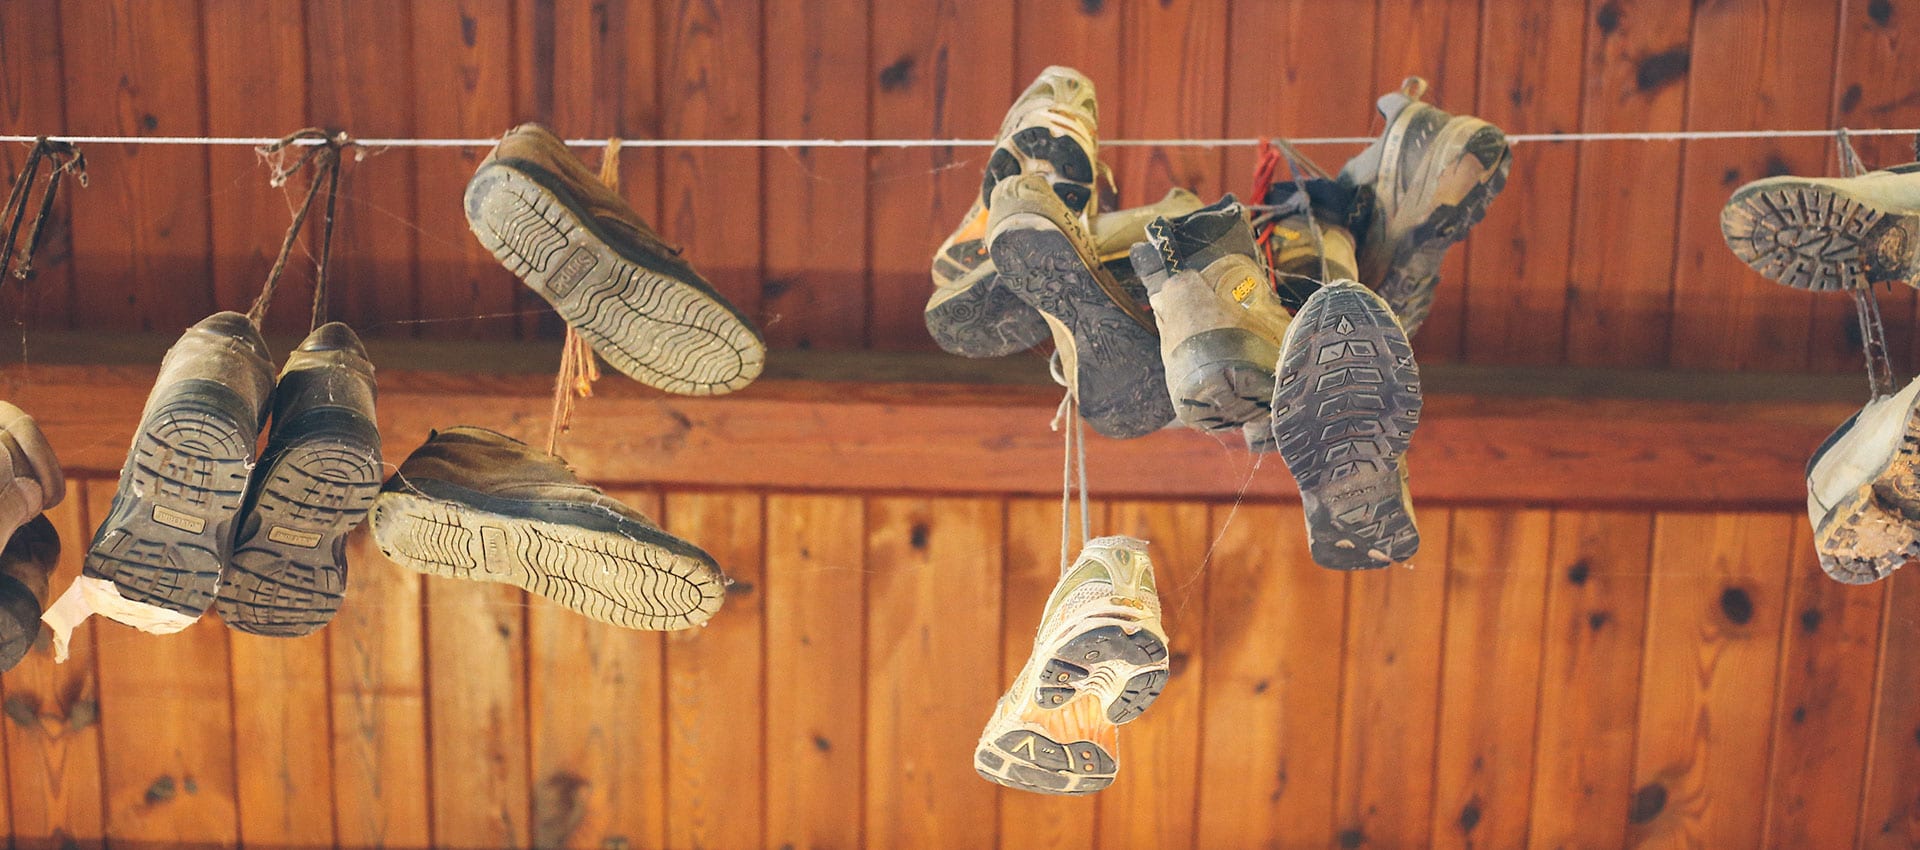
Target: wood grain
(1170, 90)
(382, 786)
(1890, 810)
(33, 100)
(283, 764)
(477, 713)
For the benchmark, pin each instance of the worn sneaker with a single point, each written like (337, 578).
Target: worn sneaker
(167, 538)
(1099, 660)
(1220, 322)
(1301, 265)
(1105, 339)
(315, 481)
(30, 556)
(1346, 405)
(1863, 490)
(30, 477)
(1051, 130)
(550, 220)
(1825, 233)
(1426, 181)
(476, 504)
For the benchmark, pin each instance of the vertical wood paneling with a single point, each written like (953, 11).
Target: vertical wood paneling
(283, 763)
(477, 713)
(1083, 36)
(815, 608)
(1890, 816)
(1272, 693)
(596, 695)
(1171, 89)
(33, 100)
(933, 621)
(1714, 616)
(381, 784)
(715, 683)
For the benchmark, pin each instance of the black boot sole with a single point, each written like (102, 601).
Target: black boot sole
(1812, 236)
(985, 320)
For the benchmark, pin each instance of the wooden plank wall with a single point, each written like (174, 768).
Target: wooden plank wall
(1599, 253)
(1540, 677)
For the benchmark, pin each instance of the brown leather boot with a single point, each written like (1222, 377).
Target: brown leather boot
(476, 504)
(30, 478)
(550, 220)
(25, 565)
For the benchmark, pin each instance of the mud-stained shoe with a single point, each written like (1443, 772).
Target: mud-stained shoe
(970, 313)
(1106, 340)
(313, 485)
(475, 504)
(1344, 408)
(1286, 232)
(1426, 182)
(1863, 490)
(1099, 660)
(170, 531)
(1220, 321)
(1824, 233)
(577, 243)
(25, 565)
(30, 476)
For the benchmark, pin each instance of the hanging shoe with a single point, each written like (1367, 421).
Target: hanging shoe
(30, 556)
(1426, 181)
(1825, 233)
(476, 504)
(315, 481)
(156, 560)
(1346, 405)
(1299, 264)
(1863, 490)
(32, 481)
(550, 220)
(1052, 130)
(1106, 340)
(1099, 660)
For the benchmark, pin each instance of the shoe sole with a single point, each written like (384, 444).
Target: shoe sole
(19, 621)
(666, 332)
(1872, 531)
(1066, 742)
(1345, 408)
(1121, 381)
(658, 589)
(168, 533)
(1036, 149)
(288, 577)
(985, 320)
(1411, 295)
(1812, 236)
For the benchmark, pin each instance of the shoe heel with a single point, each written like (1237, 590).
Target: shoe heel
(1226, 379)
(1125, 671)
(1811, 236)
(1863, 539)
(287, 578)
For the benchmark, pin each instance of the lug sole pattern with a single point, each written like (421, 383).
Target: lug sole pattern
(1813, 236)
(1090, 683)
(1344, 410)
(1413, 274)
(1873, 532)
(602, 575)
(19, 622)
(1225, 396)
(985, 320)
(288, 576)
(1036, 150)
(662, 331)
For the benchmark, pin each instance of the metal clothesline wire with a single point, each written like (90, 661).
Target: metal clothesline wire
(1650, 136)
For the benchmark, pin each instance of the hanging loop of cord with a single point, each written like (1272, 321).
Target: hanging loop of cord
(321, 150)
(65, 159)
(1873, 329)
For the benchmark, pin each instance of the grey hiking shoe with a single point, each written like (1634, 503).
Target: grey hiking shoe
(30, 476)
(1825, 233)
(1344, 408)
(1052, 130)
(1220, 322)
(168, 536)
(26, 563)
(1863, 490)
(314, 484)
(475, 504)
(550, 220)
(1107, 343)
(1420, 187)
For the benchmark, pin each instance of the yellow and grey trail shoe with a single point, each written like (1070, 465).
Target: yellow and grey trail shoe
(26, 563)
(1099, 660)
(475, 504)
(550, 220)
(1863, 490)
(30, 476)
(1826, 233)
(1106, 341)
(1052, 130)
(314, 484)
(1220, 321)
(1420, 188)
(1344, 408)
(168, 536)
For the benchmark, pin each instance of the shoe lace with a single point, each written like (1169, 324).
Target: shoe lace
(1873, 330)
(65, 159)
(325, 161)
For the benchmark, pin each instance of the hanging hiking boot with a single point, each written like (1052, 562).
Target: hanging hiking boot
(1299, 264)
(1110, 353)
(1825, 233)
(157, 559)
(32, 478)
(1099, 660)
(1346, 405)
(476, 504)
(1863, 490)
(1220, 322)
(550, 220)
(30, 556)
(314, 484)
(1051, 130)
(1426, 181)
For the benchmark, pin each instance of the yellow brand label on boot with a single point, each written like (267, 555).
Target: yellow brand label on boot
(294, 537)
(185, 522)
(1244, 290)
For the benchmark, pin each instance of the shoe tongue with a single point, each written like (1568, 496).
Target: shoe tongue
(1204, 235)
